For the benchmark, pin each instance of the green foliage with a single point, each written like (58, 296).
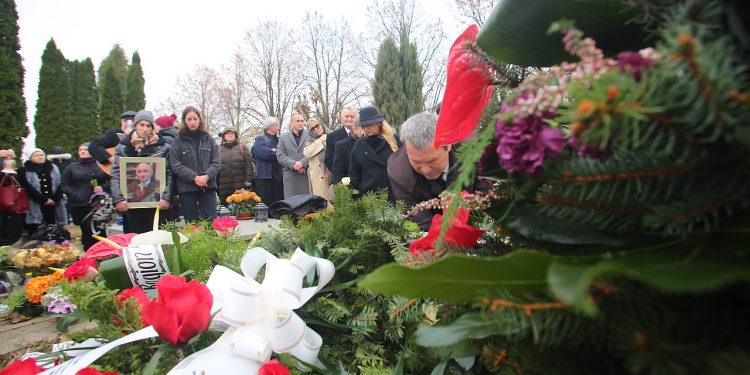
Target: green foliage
(357, 236)
(111, 100)
(82, 103)
(117, 61)
(135, 97)
(52, 120)
(12, 102)
(460, 279)
(388, 85)
(411, 73)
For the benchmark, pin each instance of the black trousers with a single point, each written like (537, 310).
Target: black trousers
(78, 213)
(269, 190)
(141, 220)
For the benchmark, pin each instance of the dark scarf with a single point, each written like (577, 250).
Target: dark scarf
(45, 167)
(86, 161)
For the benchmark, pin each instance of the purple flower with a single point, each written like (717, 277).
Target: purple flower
(524, 143)
(61, 306)
(633, 62)
(589, 150)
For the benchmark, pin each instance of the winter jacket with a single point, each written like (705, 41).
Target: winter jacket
(76, 182)
(341, 159)
(111, 138)
(160, 149)
(368, 167)
(264, 157)
(236, 168)
(42, 182)
(333, 138)
(189, 159)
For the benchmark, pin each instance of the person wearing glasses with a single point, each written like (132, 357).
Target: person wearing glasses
(315, 148)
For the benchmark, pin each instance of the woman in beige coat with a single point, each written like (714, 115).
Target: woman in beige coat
(315, 146)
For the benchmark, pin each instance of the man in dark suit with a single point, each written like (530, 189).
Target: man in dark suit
(348, 118)
(344, 154)
(418, 171)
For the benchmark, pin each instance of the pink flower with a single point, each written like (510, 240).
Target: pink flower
(467, 91)
(225, 224)
(84, 269)
(102, 249)
(460, 233)
(273, 367)
(94, 371)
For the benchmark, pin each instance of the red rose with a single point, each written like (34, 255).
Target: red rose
(460, 233)
(94, 371)
(26, 367)
(467, 91)
(181, 311)
(140, 297)
(273, 367)
(84, 269)
(225, 224)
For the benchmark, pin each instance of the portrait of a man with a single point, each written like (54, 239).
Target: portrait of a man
(142, 180)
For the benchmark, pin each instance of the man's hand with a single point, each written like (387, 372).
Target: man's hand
(98, 189)
(121, 206)
(163, 204)
(49, 202)
(301, 171)
(201, 180)
(7, 154)
(297, 166)
(111, 159)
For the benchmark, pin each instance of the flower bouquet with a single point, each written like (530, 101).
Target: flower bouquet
(242, 203)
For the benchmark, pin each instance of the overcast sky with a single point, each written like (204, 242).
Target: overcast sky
(171, 36)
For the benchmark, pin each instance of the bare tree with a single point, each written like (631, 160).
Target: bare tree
(476, 11)
(235, 97)
(273, 66)
(401, 19)
(330, 67)
(198, 88)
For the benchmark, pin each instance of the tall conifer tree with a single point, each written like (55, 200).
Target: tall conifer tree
(52, 121)
(83, 102)
(111, 100)
(12, 102)
(397, 87)
(388, 85)
(135, 98)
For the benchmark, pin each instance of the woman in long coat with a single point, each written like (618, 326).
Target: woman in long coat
(76, 184)
(317, 173)
(368, 169)
(42, 179)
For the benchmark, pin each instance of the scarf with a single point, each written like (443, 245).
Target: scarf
(139, 143)
(86, 161)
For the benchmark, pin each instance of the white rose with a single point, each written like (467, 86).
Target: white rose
(346, 181)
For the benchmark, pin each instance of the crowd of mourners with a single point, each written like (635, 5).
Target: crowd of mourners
(200, 173)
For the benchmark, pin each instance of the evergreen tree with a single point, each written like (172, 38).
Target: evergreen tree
(83, 102)
(411, 74)
(52, 121)
(111, 100)
(12, 102)
(397, 87)
(135, 98)
(388, 85)
(117, 60)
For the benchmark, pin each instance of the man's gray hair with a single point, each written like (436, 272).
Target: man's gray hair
(270, 120)
(419, 130)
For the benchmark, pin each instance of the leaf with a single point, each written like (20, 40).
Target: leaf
(516, 31)
(678, 269)
(527, 220)
(460, 278)
(466, 362)
(468, 326)
(463, 349)
(440, 368)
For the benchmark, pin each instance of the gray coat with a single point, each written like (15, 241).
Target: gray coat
(288, 152)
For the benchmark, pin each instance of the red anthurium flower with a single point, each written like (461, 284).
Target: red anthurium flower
(140, 297)
(181, 311)
(460, 233)
(94, 371)
(102, 249)
(84, 269)
(273, 367)
(26, 367)
(467, 91)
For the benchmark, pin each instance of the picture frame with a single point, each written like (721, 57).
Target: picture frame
(142, 180)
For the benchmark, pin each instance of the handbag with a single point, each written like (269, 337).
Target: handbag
(13, 198)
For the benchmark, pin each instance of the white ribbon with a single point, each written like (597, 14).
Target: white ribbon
(260, 316)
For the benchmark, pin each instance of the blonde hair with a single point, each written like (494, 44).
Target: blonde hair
(386, 131)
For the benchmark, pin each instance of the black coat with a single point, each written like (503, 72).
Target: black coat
(368, 167)
(341, 159)
(76, 182)
(98, 147)
(189, 160)
(331, 140)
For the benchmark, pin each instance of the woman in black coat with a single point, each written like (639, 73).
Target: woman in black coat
(77, 185)
(369, 159)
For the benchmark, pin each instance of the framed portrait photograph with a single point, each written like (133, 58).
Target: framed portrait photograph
(142, 180)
